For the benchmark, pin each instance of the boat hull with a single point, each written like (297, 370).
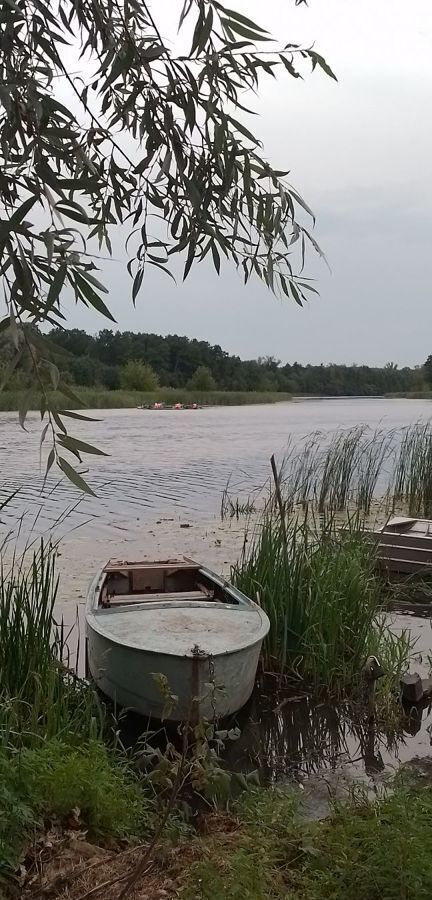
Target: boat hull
(204, 686)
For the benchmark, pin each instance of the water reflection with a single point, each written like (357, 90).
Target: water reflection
(284, 737)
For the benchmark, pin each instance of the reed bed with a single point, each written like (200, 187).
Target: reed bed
(353, 467)
(324, 602)
(40, 696)
(102, 398)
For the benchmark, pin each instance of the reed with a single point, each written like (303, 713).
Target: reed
(323, 600)
(340, 462)
(40, 696)
(412, 480)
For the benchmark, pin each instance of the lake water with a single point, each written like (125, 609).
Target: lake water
(172, 463)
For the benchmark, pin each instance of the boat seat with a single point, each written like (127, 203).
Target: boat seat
(123, 599)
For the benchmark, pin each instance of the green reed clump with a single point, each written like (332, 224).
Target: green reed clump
(319, 589)
(374, 454)
(339, 468)
(40, 697)
(412, 482)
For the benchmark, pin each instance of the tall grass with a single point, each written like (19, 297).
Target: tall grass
(40, 697)
(323, 600)
(339, 467)
(413, 470)
(357, 465)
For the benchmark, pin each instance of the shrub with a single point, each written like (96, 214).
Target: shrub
(138, 376)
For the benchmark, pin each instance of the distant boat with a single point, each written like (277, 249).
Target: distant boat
(404, 544)
(179, 620)
(177, 406)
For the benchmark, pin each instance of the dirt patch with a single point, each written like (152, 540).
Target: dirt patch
(64, 865)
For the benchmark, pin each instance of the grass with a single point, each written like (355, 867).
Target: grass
(55, 779)
(100, 398)
(323, 599)
(40, 697)
(52, 756)
(364, 851)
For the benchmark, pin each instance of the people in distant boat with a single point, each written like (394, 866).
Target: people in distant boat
(178, 406)
(157, 405)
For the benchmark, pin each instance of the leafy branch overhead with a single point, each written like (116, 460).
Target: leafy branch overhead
(103, 122)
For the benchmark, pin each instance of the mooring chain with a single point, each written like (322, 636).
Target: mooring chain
(211, 669)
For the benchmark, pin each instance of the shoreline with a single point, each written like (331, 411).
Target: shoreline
(92, 398)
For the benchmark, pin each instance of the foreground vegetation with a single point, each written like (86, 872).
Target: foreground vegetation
(53, 756)
(100, 398)
(364, 851)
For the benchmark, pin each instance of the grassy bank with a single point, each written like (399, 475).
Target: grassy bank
(363, 851)
(93, 398)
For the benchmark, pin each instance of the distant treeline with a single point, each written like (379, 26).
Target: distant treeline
(139, 361)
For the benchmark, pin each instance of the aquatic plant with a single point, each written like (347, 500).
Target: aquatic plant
(413, 470)
(324, 601)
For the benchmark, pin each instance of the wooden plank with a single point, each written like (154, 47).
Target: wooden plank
(118, 599)
(166, 567)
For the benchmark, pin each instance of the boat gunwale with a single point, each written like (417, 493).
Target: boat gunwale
(94, 618)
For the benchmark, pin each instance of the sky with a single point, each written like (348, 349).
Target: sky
(360, 152)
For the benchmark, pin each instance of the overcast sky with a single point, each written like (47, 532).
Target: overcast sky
(360, 152)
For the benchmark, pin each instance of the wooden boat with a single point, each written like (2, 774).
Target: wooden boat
(404, 544)
(179, 620)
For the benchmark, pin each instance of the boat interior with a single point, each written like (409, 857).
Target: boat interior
(127, 583)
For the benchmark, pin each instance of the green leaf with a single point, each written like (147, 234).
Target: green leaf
(89, 277)
(190, 259)
(54, 374)
(50, 461)
(321, 62)
(205, 31)
(233, 14)
(216, 257)
(24, 408)
(91, 296)
(75, 415)
(13, 328)
(74, 445)
(56, 286)
(251, 36)
(74, 477)
(68, 392)
(137, 283)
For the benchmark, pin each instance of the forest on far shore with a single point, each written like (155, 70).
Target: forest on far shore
(143, 362)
